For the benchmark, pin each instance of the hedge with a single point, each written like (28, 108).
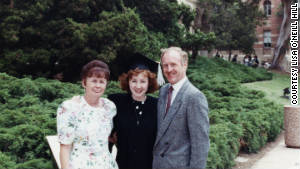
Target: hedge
(240, 119)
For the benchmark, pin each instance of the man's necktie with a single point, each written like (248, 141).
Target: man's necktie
(170, 91)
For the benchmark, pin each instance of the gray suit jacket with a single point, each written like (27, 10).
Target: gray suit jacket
(183, 135)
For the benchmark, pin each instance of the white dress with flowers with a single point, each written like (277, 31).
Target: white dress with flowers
(87, 128)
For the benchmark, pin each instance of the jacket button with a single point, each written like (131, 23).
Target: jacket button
(162, 155)
(166, 143)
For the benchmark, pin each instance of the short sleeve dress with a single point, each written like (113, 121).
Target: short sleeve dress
(87, 128)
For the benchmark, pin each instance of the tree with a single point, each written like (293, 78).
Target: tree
(50, 37)
(46, 37)
(160, 16)
(234, 23)
(104, 38)
(198, 41)
(284, 35)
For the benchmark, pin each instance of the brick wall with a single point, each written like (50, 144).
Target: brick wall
(272, 25)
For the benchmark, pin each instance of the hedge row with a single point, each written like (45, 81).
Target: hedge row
(27, 116)
(239, 118)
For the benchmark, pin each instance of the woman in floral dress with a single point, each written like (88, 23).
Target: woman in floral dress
(84, 124)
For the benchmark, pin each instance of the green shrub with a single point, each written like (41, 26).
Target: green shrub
(6, 162)
(233, 109)
(28, 114)
(225, 136)
(36, 164)
(239, 118)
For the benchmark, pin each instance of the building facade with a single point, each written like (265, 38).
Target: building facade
(267, 34)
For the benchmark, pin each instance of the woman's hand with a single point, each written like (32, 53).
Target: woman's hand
(113, 138)
(64, 155)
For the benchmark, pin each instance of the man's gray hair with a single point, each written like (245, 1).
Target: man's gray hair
(181, 52)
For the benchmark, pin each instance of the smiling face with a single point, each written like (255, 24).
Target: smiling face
(174, 67)
(138, 85)
(94, 86)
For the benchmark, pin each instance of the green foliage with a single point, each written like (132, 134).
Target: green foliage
(161, 16)
(234, 72)
(240, 119)
(225, 137)
(234, 23)
(6, 162)
(28, 115)
(113, 87)
(198, 41)
(36, 164)
(44, 38)
(28, 112)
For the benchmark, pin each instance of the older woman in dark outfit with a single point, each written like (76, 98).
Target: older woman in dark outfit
(136, 121)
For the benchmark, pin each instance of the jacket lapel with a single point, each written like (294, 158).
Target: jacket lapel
(162, 105)
(164, 123)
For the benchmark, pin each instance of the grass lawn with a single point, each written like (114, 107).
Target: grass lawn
(273, 88)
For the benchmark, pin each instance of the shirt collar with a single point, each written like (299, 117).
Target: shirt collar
(179, 84)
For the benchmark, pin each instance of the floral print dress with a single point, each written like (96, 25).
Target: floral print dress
(87, 128)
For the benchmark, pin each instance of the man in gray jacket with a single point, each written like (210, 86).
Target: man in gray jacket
(183, 126)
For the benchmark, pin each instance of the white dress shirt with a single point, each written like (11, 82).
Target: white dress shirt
(177, 87)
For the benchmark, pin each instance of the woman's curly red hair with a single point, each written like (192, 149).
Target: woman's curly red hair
(125, 77)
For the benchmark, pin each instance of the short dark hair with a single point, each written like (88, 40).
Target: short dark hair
(125, 77)
(95, 68)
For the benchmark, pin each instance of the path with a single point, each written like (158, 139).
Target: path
(274, 155)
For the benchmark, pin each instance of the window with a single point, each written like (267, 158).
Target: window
(267, 7)
(267, 39)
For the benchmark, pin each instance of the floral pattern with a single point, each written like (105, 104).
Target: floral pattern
(87, 128)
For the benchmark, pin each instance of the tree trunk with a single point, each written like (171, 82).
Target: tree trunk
(285, 31)
(229, 56)
(202, 17)
(194, 55)
(198, 18)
